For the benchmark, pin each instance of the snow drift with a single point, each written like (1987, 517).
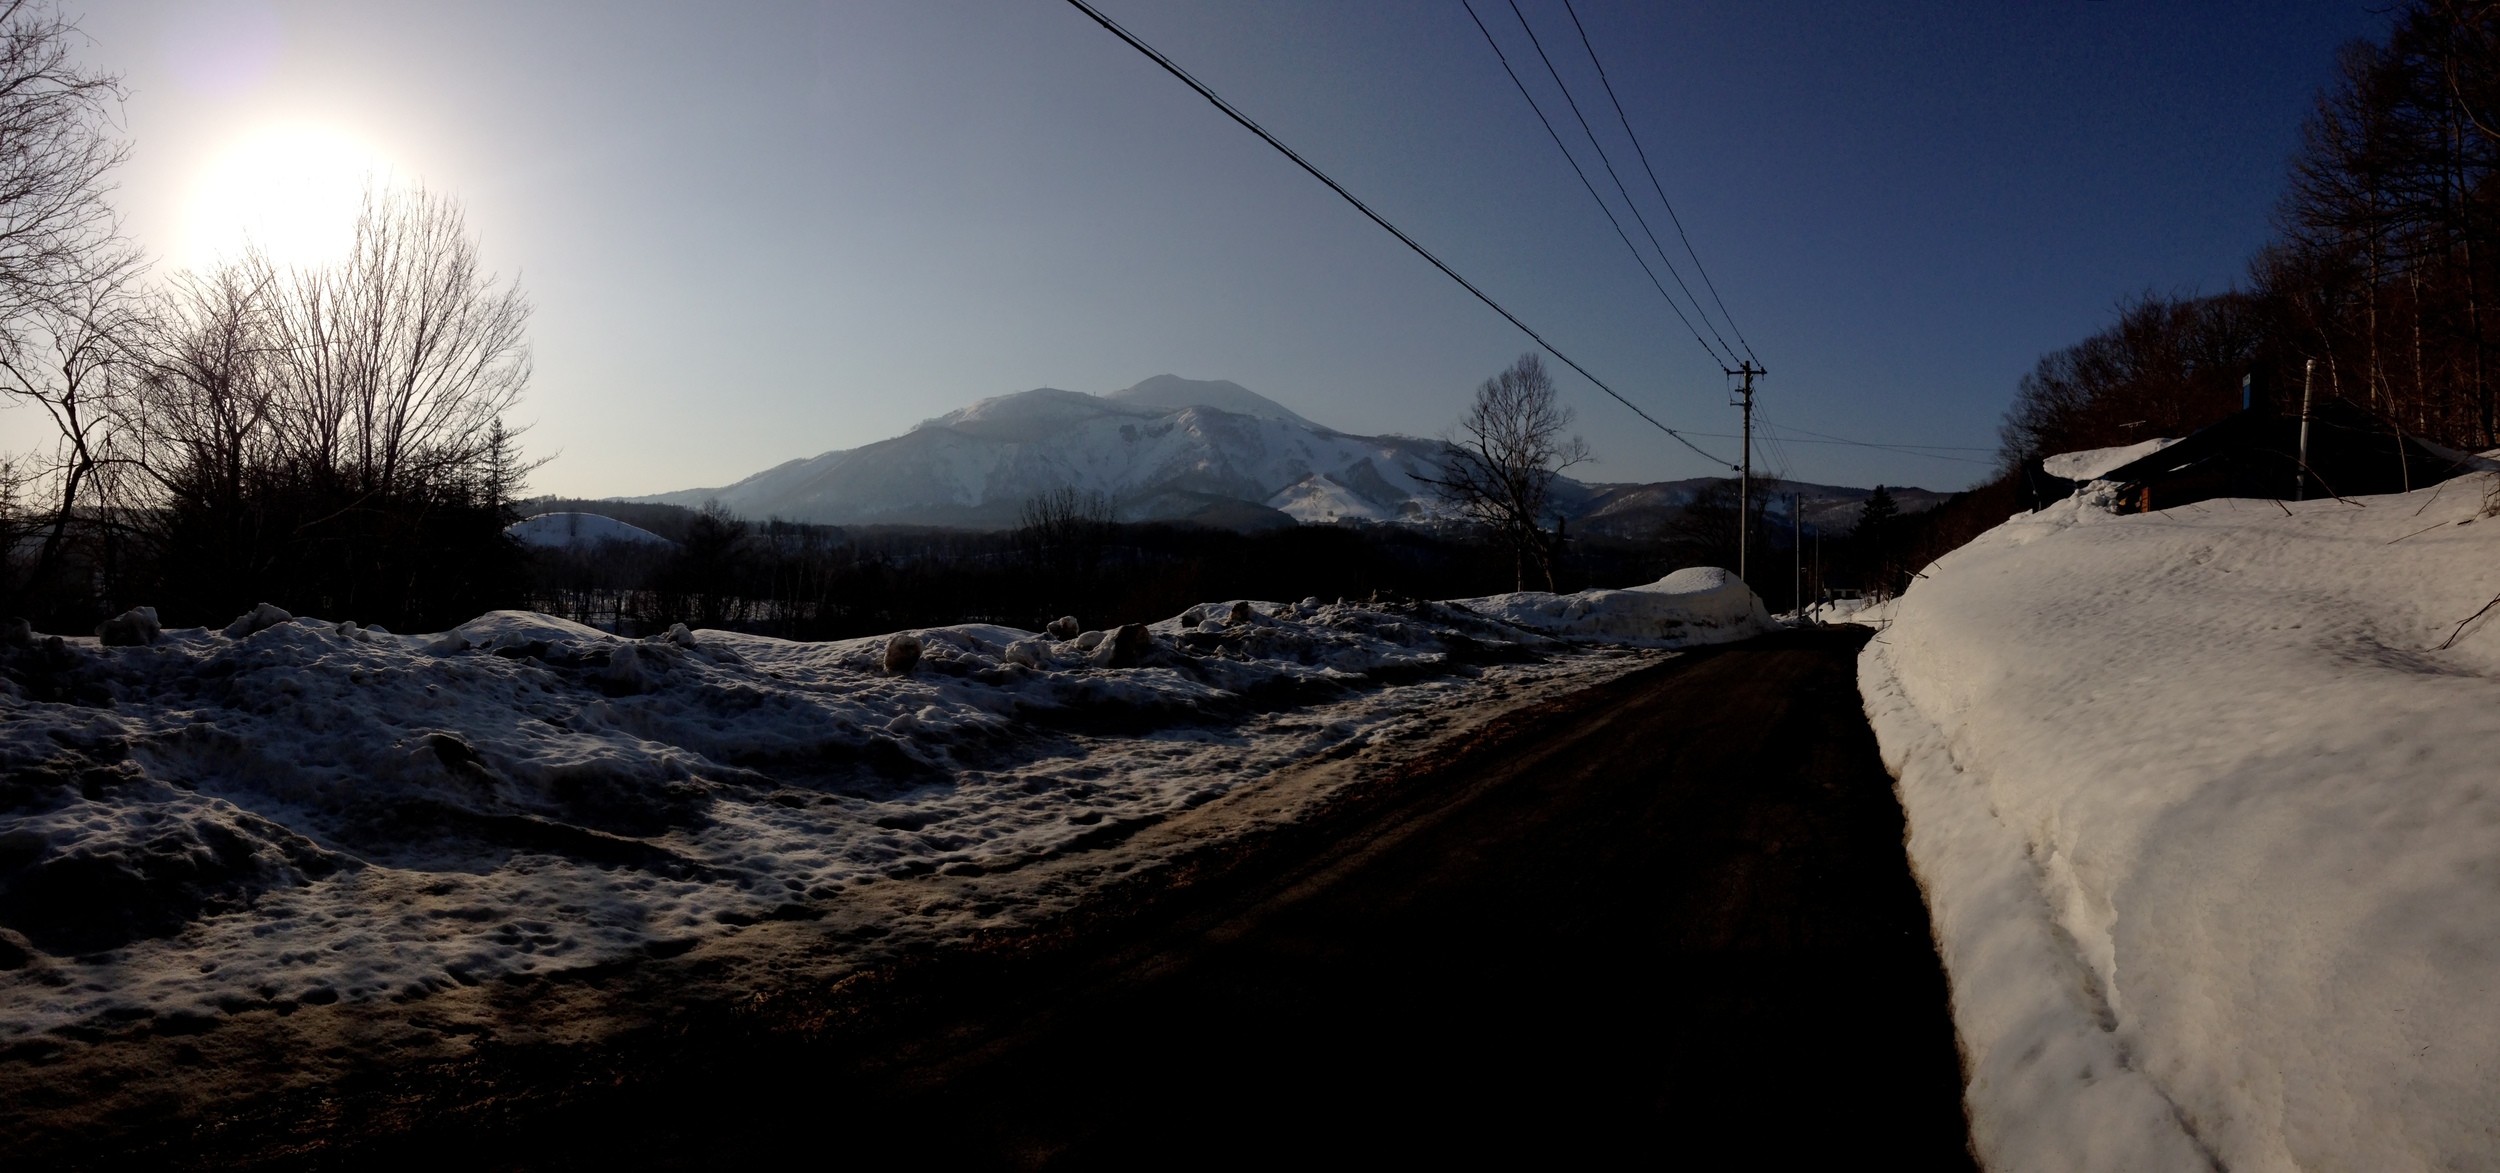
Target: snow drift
(1695, 605)
(2206, 809)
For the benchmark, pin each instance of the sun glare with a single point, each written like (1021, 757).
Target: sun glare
(293, 191)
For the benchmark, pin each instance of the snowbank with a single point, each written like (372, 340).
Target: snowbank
(2091, 463)
(2206, 809)
(580, 529)
(1695, 605)
(313, 812)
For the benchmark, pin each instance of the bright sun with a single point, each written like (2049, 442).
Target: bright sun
(293, 190)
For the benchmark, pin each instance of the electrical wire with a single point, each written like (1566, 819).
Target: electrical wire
(1930, 451)
(1602, 205)
(1726, 354)
(1253, 127)
(1832, 439)
(1760, 440)
(1656, 186)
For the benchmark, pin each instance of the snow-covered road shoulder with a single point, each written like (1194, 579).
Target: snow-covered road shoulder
(2205, 806)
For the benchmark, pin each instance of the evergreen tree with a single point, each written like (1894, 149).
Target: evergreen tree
(1875, 521)
(1874, 545)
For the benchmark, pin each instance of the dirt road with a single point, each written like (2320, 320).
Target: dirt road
(1666, 922)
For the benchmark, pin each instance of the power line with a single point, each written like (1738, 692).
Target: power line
(1602, 206)
(1726, 353)
(1760, 440)
(1253, 127)
(1660, 188)
(1828, 437)
(1930, 451)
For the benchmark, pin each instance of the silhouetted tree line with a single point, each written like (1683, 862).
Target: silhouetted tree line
(2383, 272)
(2377, 289)
(328, 438)
(1887, 549)
(830, 582)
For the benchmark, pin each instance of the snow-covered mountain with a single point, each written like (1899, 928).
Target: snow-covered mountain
(1170, 448)
(1166, 448)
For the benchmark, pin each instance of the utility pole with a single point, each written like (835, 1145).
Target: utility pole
(1744, 482)
(2300, 486)
(1797, 551)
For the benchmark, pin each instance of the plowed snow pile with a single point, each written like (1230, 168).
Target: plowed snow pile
(1695, 605)
(295, 811)
(2207, 807)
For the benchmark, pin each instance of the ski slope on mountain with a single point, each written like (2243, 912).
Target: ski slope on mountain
(2206, 806)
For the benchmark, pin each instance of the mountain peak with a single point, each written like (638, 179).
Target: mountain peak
(1030, 415)
(1173, 393)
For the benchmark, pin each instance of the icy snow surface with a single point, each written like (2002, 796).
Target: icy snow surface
(316, 812)
(2209, 823)
(1695, 605)
(2091, 463)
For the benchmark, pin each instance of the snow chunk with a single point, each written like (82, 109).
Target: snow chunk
(902, 650)
(2092, 463)
(260, 618)
(133, 628)
(1695, 605)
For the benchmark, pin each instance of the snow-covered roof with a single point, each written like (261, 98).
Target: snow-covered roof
(571, 530)
(2091, 463)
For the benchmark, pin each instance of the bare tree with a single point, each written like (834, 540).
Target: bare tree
(336, 432)
(1498, 470)
(66, 353)
(65, 275)
(199, 422)
(57, 144)
(394, 365)
(1065, 528)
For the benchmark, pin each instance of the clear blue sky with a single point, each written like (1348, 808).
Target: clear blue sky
(760, 231)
